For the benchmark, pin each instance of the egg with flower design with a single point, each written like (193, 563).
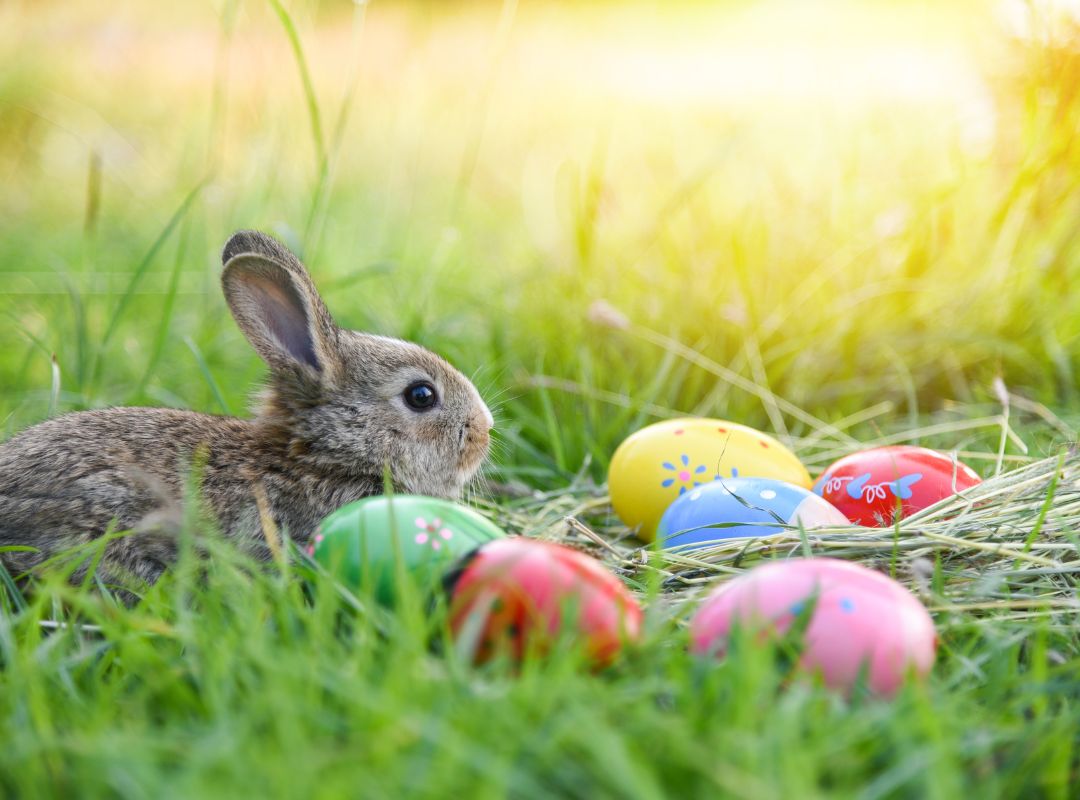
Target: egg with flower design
(367, 544)
(661, 462)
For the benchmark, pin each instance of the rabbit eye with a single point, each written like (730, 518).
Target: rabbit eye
(420, 396)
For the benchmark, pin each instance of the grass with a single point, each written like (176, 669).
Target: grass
(847, 226)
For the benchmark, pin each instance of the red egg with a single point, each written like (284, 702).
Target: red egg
(871, 486)
(520, 595)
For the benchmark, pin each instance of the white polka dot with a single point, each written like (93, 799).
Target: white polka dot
(768, 494)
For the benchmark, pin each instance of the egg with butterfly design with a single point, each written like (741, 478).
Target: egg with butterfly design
(875, 487)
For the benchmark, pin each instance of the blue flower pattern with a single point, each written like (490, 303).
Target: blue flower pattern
(688, 478)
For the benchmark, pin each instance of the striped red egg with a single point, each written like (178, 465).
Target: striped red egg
(520, 596)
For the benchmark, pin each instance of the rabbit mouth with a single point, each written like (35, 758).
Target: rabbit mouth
(473, 444)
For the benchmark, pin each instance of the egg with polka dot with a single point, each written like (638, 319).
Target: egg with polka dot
(363, 543)
(741, 507)
(861, 623)
(662, 462)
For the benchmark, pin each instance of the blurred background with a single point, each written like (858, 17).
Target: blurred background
(605, 212)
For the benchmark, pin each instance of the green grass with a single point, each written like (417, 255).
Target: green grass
(852, 258)
(240, 682)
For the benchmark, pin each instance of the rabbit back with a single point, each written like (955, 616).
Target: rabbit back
(66, 481)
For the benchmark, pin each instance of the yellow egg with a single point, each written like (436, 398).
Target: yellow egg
(659, 463)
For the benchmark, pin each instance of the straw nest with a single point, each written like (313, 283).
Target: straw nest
(1009, 546)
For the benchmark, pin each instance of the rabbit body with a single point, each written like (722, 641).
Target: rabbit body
(341, 409)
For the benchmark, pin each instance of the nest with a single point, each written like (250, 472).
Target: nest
(1009, 546)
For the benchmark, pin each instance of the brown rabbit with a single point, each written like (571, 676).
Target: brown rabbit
(341, 407)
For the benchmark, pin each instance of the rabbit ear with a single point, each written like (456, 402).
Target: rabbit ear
(259, 243)
(278, 308)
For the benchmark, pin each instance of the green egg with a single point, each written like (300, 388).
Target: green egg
(363, 542)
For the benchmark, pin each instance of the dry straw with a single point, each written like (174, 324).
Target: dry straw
(1009, 546)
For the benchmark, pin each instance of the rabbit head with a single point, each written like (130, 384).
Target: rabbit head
(349, 403)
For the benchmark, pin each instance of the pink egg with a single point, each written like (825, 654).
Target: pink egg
(861, 619)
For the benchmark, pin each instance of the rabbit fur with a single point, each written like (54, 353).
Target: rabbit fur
(332, 420)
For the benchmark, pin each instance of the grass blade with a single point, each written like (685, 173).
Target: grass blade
(204, 368)
(140, 272)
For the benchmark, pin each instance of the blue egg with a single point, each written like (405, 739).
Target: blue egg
(745, 507)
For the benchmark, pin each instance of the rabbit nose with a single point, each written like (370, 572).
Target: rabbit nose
(489, 420)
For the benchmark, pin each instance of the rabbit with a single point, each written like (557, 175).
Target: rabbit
(339, 410)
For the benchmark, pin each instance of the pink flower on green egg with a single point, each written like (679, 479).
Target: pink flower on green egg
(311, 547)
(432, 533)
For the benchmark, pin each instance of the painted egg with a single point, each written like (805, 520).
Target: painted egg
(870, 486)
(519, 596)
(742, 507)
(861, 621)
(663, 461)
(360, 542)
